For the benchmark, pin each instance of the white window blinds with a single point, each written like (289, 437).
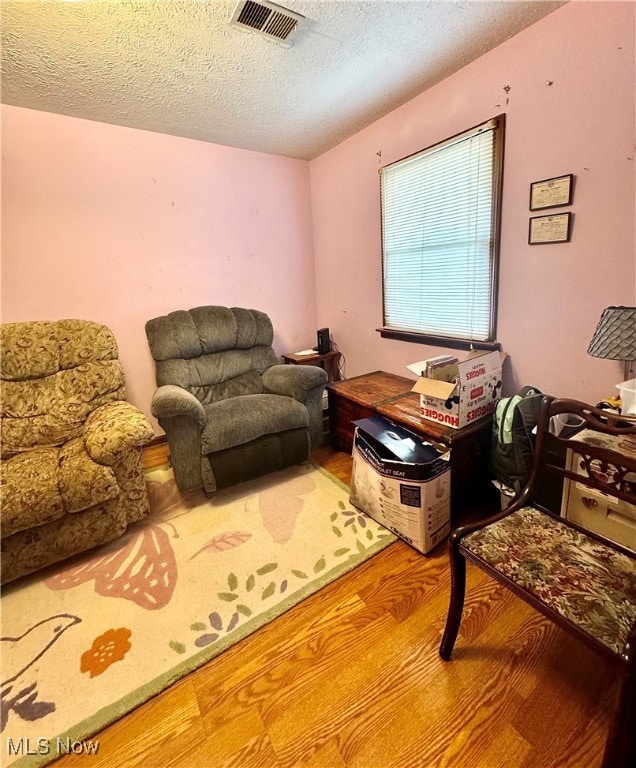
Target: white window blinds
(438, 233)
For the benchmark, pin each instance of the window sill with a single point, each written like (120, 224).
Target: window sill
(436, 341)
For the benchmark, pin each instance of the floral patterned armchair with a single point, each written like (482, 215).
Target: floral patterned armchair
(71, 475)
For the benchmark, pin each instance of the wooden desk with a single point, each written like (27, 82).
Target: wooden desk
(330, 362)
(388, 395)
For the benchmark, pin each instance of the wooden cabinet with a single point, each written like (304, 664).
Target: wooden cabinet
(355, 399)
(330, 362)
(388, 395)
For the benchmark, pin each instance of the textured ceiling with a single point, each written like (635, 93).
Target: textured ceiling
(177, 67)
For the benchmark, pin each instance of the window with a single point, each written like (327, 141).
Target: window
(440, 240)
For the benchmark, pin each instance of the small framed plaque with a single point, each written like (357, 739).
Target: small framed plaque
(550, 229)
(551, 193)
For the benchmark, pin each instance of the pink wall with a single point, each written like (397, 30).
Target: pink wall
(118, 225)
(569, 109)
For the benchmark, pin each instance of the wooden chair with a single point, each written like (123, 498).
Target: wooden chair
(581, 581)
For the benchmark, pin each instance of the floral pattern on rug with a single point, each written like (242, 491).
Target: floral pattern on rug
(198, 575)
(575, 575)
(106, 649)
(268, 581)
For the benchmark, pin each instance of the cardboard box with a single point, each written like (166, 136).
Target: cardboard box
(401, 481)
(469, 398)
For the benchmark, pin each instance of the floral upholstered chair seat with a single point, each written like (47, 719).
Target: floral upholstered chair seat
(71, 475)
(581, 578)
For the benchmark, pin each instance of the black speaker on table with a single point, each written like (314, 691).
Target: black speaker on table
(324, 345)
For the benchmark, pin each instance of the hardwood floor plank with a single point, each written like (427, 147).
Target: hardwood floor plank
(255, 753)
(240, 741)
(352, 677)
(506, 750)
(394, 672)
(582, 746)
(561, 688)
(405, 592)
(370, 712)
(328, 756)
(436, 706)
(156, 454)
(152, 734)
(277, 679)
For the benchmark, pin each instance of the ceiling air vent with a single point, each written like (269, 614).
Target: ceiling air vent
(268, 19)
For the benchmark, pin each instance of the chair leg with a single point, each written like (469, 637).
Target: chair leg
(456, 604)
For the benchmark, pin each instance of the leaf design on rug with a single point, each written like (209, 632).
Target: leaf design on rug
(233, 622)
(273, 579)
(204, 640)
(143, 570)
(19, 654)
(350, 517)
(216, 622)
(267, 568)
(223, 542)
(177, 647)
(279, 512)
(354, 516)
(268, 591)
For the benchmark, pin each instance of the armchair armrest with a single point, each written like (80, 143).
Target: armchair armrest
(112, 430)
(170, 400)
(183, 418)
(296, 381)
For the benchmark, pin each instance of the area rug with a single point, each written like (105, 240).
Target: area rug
(88, 641)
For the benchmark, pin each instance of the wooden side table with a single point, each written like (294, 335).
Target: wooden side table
(385, 394)
(330, 362)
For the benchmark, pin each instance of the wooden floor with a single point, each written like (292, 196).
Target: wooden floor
(352, 677)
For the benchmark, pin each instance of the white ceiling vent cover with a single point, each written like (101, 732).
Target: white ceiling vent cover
(268, 19)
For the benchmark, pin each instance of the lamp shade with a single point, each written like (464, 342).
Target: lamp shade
(615, 334)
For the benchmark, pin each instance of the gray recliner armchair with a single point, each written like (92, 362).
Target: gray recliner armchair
(229, 410)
